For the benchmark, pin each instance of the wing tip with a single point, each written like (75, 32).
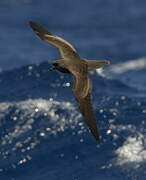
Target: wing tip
(97, 138)
(30, 22)
(33, 25)
(39, 28)
(96, 135)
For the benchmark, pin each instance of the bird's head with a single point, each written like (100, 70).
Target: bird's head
(55, 64)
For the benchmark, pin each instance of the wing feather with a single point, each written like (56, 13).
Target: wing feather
(81, 91)
(82, 82)
(65, 48)
(86, 109)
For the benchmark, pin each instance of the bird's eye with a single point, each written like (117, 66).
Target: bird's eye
(55, 64)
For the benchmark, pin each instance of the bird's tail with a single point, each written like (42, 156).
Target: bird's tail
(95, 64)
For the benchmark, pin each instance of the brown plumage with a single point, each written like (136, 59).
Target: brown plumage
(71, 62)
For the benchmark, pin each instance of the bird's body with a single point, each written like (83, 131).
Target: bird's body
(72, 63)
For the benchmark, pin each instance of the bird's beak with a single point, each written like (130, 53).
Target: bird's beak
(51, 68)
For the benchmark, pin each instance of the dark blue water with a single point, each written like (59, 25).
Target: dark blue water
(43, 136)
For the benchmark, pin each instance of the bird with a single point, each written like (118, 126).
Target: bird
(71, 62)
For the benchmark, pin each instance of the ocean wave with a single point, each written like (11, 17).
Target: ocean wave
(131, 73)
(38, 127)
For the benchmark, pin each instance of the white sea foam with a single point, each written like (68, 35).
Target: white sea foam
(132, 151)
(121, 68)
(131, 73)
(48, 113)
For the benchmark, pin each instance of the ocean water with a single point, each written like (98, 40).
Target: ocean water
(43, 135)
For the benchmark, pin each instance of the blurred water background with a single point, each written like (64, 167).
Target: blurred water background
(43, 136)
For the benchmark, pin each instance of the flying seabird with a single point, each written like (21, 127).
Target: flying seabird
(72, 63)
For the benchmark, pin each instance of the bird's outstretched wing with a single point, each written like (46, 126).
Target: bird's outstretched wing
(86, 109)
(81, 91)
(67, 51)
